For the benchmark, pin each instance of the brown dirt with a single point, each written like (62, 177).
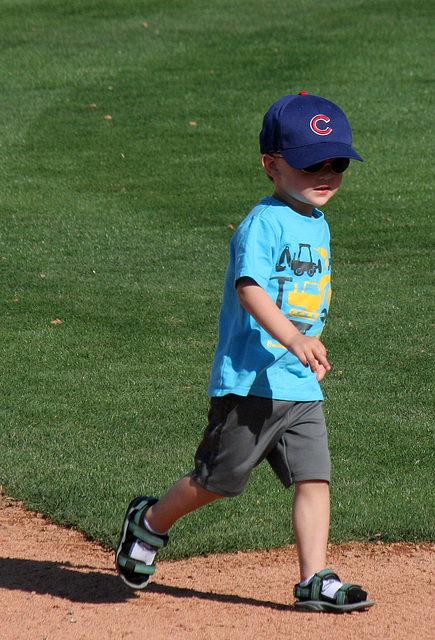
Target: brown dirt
(55, 585)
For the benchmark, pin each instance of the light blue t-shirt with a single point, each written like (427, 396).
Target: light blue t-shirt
(288, 255)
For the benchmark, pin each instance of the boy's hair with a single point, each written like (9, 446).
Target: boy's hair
(306, 129)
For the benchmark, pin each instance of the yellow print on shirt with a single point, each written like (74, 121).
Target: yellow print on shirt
(309, 302)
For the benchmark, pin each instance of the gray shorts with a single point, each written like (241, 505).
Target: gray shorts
(242, 432)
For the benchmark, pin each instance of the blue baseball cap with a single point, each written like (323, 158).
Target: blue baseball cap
(306, 129)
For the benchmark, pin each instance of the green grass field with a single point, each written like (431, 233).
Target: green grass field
(128, 150)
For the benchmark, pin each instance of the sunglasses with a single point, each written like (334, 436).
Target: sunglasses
(337, 165)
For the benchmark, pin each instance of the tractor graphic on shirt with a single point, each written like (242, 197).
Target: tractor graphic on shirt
(307, 303)
(302, 264)
(310, 303)
(307, 300)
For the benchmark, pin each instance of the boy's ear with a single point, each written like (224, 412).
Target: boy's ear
(270, 166)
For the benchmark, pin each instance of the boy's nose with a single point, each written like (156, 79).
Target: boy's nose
(326, 169)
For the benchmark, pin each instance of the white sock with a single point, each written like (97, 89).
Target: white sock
(306, 582)
(143, 552)
(329, 587)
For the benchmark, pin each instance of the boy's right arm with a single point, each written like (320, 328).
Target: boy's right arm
(308, 349)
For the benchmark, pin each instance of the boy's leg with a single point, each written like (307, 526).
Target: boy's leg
(184, 496)
(144, 533)
(311, 511)
(319, 589)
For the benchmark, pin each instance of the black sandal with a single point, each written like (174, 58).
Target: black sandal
(134, 573)
(349, 597)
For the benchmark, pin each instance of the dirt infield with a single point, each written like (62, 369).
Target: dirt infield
(55, 585)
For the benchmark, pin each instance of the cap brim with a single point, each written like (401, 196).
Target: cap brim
(302, 157)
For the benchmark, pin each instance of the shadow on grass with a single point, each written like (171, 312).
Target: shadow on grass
(63, 580)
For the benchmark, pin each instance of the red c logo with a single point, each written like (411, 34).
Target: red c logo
(315, 128)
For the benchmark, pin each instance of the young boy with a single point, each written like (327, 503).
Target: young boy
(266, 401)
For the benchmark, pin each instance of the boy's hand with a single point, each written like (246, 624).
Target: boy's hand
(311, 352)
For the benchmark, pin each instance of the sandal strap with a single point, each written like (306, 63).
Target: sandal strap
(135, 566)
(314, 589)
(342, 595)
(139, 530)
